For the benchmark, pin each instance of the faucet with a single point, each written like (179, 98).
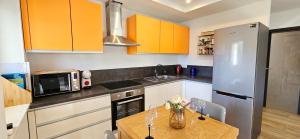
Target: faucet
(162, 68)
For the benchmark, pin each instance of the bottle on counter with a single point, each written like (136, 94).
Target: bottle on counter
(179, 70)
(193, 72)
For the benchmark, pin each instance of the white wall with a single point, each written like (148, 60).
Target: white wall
(286, 18)
(11, 37)
(113, 57)
(255, 12)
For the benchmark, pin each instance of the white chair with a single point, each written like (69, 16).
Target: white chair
(109, 135)
(214, 111)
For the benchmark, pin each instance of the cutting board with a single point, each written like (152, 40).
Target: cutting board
(13, 94)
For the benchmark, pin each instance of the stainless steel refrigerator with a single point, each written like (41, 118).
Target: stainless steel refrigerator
(240, 59)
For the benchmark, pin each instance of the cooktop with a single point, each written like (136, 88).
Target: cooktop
(120, 84)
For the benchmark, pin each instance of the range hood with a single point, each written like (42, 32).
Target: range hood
(114, 25)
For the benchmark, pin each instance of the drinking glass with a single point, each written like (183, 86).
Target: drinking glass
(150, 116)
(149, 120)
(193, 107)
(154, 112)
(202, 107)
(149, 124)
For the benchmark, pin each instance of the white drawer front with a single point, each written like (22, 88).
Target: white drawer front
(92, 132)
(55, 113)
(73, 124)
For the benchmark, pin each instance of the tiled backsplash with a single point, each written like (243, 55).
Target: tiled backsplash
(109, 75)
(202, 71)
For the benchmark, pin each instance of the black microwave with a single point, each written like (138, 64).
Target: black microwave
(55, 82)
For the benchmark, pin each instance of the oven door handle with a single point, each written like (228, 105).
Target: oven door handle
(131, 100)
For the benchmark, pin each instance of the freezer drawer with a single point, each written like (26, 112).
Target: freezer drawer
(239, 112)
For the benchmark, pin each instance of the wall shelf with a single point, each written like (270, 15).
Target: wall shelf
(206, 43)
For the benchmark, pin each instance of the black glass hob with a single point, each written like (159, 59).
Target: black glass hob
(120, 84)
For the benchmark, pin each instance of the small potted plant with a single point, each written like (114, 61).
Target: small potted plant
(177, 118)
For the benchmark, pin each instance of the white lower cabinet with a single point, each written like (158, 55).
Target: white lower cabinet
(83, 119)
(92, 132)
(73, 124)
(194, 89)
(157, 95)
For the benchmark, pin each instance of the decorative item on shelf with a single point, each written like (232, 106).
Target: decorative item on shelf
(206, 43)
(177, 117)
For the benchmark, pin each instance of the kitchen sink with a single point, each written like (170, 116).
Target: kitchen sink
(159, 78)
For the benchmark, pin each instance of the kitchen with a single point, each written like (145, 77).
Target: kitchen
(168, 42)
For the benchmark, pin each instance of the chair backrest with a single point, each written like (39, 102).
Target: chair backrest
(109, 135)
(214, 111)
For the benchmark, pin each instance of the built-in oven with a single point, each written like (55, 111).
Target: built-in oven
(127, 103)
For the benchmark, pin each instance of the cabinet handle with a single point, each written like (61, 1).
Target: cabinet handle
(123, 102)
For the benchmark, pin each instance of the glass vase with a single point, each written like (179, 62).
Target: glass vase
(177, 118)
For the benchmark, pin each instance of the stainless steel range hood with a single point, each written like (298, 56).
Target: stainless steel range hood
(114, 25)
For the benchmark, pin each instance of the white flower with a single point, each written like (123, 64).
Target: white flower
(176, 100)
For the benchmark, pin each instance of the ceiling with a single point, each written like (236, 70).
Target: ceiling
(186, 5)
(281, 5)
(165, 8)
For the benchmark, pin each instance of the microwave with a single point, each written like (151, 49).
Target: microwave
(55, 82)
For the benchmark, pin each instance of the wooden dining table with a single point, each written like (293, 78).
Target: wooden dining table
(134, 127)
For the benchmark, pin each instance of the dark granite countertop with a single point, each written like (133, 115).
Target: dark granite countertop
(98, 90)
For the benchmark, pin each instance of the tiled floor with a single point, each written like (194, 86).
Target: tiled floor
(280, 125)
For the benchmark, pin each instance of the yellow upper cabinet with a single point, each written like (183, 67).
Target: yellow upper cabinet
(86, 26)
(145, 31)
(62, 25)
(49, 24)
(157, 36)
(181, 39)
(166, 37)
(25, 25)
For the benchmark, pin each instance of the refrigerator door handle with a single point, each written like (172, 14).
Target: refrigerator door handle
(231, 95)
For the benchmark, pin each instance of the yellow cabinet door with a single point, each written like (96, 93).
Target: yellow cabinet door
(25, 25)
(145, 31)
(50, 25)
(86, 26)
(166, 37)
(181, 39)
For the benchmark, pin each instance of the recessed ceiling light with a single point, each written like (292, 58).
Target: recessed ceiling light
(188, 1)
